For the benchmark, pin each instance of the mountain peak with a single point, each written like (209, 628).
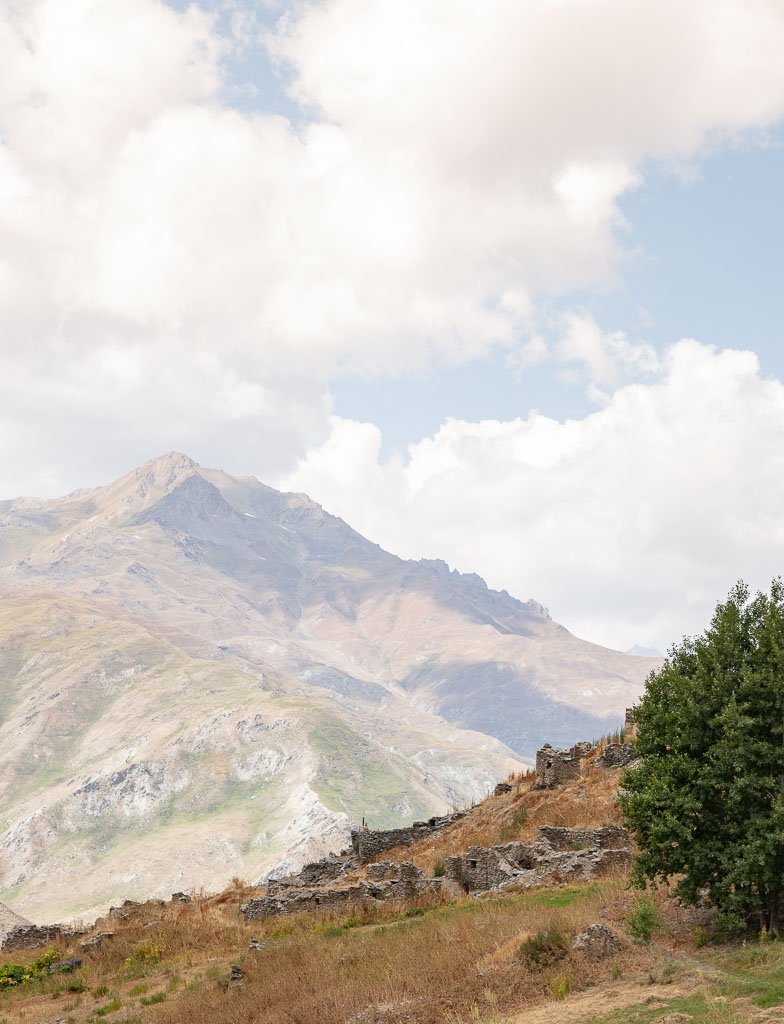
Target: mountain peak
(143, 486)
(172, 463)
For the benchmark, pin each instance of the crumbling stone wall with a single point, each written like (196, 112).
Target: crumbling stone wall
(568, 854)
(294, 901)
(31, 936)
(629, 725)
(618, 755)
(320, 872)
(368, 844)
(389, 881)
(606, 837)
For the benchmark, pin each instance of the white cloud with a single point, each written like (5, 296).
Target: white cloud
(175, 273)
(628, 524)
(606, 359)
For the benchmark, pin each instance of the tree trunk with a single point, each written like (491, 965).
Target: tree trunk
(774, 911)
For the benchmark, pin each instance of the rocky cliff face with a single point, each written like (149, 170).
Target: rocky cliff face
(202, 677)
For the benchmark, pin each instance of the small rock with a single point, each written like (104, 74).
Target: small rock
(96, 940)
(597, 942)
(152, 924)
(237, 973)
(257, 944)
(65, 966)
(502, 788)
(676, 1018)
(180, 897)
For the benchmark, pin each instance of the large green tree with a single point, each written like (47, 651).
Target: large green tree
(706, 801)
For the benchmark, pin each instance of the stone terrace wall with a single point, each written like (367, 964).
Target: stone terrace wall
(368, 844)
(31, 936)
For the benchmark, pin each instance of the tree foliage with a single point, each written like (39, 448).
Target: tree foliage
(706, 801)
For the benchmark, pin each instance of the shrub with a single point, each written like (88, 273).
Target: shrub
(20, 974)
(144, 955)
(542, 950)
(700, 936)
(644, 920)
(561, 984)
(439, 870)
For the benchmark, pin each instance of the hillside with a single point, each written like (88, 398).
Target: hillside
(202, 677)
(512, 956)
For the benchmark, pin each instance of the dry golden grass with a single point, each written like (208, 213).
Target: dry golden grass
(327, 968)
(437, 961)
(585, 803)
(448, 959)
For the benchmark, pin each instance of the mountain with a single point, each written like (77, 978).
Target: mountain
(644, 652)
(202, 677)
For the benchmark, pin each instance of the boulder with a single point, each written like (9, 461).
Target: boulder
(597, 942)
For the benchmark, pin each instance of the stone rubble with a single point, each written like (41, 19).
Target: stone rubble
(617, 755)
(557, 854)
(96, 940)
(562, 854)
(597, 942)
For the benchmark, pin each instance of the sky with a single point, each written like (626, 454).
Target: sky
(498, 283)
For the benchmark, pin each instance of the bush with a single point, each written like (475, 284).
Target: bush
(144, 955)
(561, 985)
(542, 950)
(701, 936)
(21, 974)
(644, 920)
(439, 870)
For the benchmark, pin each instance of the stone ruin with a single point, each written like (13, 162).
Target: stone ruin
(563, 854)
(617, 755)
(32, 936)
(556, 767)
(368, 844)
(557, 854)
(313, 889)
(629, 725)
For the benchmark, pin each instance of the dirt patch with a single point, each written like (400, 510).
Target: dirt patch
(596, 1004)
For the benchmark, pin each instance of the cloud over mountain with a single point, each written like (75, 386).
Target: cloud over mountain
(631, 522)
